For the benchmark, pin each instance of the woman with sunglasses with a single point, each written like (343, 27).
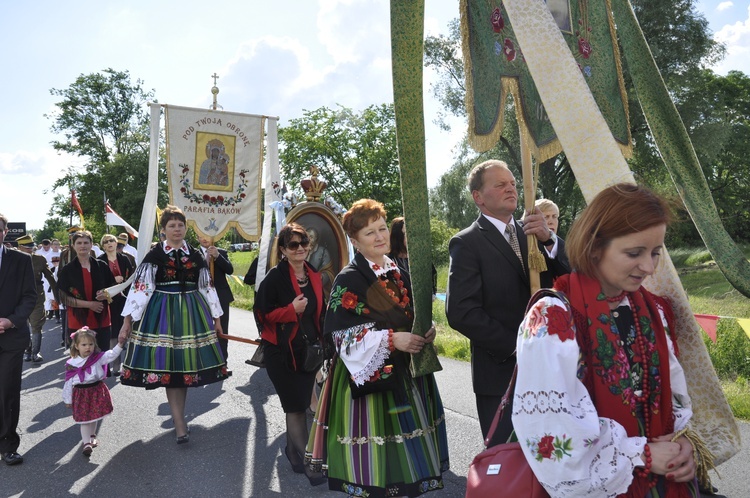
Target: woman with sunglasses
(289, 308)
(121, 270)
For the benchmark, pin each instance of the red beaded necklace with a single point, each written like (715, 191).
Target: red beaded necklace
(403, 299)
(641, 343)
(616, 299)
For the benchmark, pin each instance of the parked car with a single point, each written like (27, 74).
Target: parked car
(243, 246)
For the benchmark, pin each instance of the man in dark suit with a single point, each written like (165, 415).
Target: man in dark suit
(222, 268)
(17, 300)
(488, 285)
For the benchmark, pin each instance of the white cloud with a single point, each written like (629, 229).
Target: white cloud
(724, 6)
(26, 175)
(736, 38)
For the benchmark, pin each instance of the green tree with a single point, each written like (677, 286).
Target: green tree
(354, 152)
(104, 119)
(52, 227)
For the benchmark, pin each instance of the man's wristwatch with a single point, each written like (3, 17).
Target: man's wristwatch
(551, 241)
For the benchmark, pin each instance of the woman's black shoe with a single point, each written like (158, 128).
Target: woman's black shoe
(298, 468)
(316, 481)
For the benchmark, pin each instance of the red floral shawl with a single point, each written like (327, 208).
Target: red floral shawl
(605, 369)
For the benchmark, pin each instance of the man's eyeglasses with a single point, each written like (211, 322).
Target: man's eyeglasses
(294, 245)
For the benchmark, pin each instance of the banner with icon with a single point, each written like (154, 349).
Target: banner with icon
(213, 163)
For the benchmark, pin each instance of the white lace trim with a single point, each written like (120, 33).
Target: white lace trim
(389, 266)
(377, 360)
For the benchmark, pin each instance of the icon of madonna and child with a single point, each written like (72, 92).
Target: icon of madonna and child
(215, 169)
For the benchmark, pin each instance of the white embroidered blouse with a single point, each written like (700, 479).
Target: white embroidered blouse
(145, 284)
(572, 451)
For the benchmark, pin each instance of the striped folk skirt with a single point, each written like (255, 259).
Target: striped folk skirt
(174, 344)
(390, 443)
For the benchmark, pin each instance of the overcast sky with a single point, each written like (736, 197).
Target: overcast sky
(273, 58)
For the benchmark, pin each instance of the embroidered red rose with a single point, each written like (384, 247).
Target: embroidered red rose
(188, 379)
(126, 373)
(220, 198)
(388, 369)
(498, 23)
(584, 47)
(349, 300)
(165, 378)
(545, 447)
(558, 323)
(510, 50)
(206, 197)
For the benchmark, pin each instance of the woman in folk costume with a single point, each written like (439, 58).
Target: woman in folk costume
(601, 405)
(379, 431)
(172, 310)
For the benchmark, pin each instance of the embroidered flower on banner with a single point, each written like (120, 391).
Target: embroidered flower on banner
(218, 200)
(584, 48)
(498, 23)
(510, 50)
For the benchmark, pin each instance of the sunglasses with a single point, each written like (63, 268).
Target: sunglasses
(294, 245)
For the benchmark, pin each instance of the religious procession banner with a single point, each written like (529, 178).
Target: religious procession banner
(213, 164)
(496, 67)
(597, 162)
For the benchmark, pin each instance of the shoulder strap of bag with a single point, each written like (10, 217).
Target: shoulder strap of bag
(511, 386)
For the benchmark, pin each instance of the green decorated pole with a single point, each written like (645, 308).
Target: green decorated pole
(407, 39)
(676, 148)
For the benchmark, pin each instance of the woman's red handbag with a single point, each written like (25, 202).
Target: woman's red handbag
(502, 471)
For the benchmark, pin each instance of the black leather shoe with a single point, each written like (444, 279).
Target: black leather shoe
(12, 458)
(27, 357)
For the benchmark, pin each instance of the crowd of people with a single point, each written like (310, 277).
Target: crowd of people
(600, 405)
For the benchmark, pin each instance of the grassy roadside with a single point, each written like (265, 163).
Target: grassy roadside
(707, 289)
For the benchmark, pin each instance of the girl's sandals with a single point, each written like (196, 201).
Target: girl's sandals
(87, 449)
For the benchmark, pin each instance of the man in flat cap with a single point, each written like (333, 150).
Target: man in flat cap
(17, 299)
(38, 316)
(126, 247)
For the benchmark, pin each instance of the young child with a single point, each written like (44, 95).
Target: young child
(84, 390)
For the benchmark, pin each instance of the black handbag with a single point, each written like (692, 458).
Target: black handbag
(314, 355)
(258, 358)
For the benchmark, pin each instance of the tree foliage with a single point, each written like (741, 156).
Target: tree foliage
(104, 119)
(355, 153)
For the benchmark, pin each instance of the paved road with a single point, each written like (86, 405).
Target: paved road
(236, 444)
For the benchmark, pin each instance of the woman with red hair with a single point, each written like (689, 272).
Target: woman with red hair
(601, 405)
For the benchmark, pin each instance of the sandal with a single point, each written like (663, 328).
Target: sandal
(87, 449)
(93, 441)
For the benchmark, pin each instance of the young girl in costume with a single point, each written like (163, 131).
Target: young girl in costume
(84, 390)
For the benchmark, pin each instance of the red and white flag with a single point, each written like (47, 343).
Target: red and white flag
(76, 205)
(115, 219)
